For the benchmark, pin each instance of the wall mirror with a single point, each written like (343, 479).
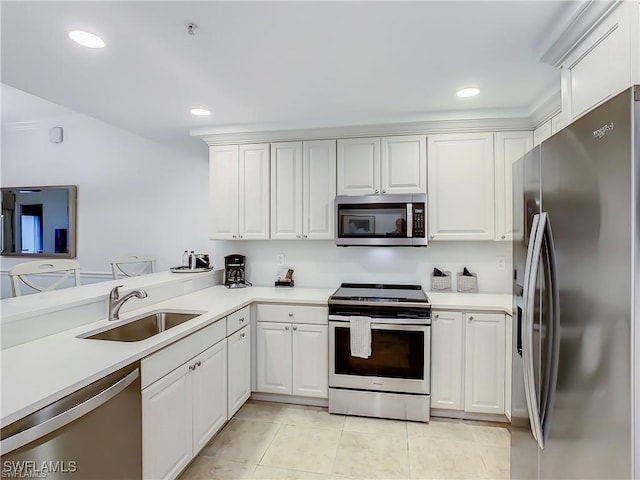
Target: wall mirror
(39, 221)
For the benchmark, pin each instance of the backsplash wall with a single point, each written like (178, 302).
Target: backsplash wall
(323, 264)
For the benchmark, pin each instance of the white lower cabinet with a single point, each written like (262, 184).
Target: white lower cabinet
(468, 361)
(292, 358)
(484, 364)
(239, 369)
(182, 411)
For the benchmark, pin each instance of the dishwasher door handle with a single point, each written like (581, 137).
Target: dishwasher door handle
(27, 436)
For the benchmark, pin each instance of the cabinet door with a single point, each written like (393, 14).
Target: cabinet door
(209, 387)
(254, 192)
(286, 190)
(461, 187)
(238, 369)
(446, 360)
(484, 362)
(223, 192)
(403, 164)
(508, 364)
(510, 146)
(318, 189)
(166, 425)
(274, 357)
(310, 360)
(358, 166)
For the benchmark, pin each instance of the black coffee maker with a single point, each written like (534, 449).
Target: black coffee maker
(234, 275)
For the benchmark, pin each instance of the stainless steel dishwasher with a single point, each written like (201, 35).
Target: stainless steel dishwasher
(93, 433)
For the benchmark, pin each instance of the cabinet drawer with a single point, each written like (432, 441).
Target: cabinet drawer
(292, 313)
(160, 363)
(238, 319)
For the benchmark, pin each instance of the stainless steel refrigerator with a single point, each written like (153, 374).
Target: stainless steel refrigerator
(576, 325)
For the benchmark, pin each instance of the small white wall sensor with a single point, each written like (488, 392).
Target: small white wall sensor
(55, 134)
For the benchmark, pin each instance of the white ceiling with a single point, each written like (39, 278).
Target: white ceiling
(271, 65)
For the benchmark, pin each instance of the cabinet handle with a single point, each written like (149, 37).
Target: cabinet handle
(502, 237)
(241, 320)
(198, 363)
(290, 314)
(377, 190)
(431, 237)
(305, 236)
(384, 191)
(192, 367)
(240, 236)
(235, 236)
(470, 318)
(294, 327)
(242, 335)
(286, 328)
(297, 236)
(437, 315)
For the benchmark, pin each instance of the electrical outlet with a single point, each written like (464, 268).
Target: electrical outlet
(280, 259)
(501, 263)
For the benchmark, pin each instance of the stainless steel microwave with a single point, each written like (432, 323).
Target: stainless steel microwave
(384, 220)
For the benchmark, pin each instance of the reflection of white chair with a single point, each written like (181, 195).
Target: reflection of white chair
(23, 273)
(132, 265)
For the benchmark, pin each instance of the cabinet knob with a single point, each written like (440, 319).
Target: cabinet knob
(306, 236)
(287, 327)
(290, 314)
(198, 363)
(241, 320)
(297, 236)
(240, 236)
(192, 367)
(376, 191)
(384, 191)
(437, 315)
(294, 327)
(235, 236)
(242, 335)
(503, 237)
(431, 237)
(470, 318)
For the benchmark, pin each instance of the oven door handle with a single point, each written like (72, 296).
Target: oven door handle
(384, 326)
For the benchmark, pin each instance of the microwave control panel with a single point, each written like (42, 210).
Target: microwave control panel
(418, 220)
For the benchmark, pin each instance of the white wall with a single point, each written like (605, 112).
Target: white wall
(134, 195)
(323, 264)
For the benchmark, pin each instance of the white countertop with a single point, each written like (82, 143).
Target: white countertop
(39, 372)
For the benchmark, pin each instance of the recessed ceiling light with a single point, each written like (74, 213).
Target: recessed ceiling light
(200, 111)
(468, 92)
(86, 39)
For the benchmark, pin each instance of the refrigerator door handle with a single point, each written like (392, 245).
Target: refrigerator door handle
(534, 253)
(554, 331)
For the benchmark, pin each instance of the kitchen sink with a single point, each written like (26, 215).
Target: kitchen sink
(143, 327)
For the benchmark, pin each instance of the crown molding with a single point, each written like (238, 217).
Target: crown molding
(19, 126)
(584, 20)
(548, 106)
(213, 137)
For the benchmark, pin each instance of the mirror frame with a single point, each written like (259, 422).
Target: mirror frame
(72, 198)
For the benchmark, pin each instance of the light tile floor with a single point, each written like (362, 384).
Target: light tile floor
(278, 441)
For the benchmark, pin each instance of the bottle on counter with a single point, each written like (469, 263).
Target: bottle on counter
(185, 259)
(192, 260)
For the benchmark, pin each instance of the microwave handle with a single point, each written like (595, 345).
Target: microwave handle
(409, 220)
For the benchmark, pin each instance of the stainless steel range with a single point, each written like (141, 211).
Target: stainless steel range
(393, 381)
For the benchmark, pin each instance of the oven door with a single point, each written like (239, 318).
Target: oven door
(399, 361)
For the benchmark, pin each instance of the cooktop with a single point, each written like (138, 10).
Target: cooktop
(369, 292)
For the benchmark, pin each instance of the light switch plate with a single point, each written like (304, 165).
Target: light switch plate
(280, 259)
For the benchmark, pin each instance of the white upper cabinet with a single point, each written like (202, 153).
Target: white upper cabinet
(603, 63)
(359, 166)
(318, 189)
(403, 164)
(223, 191)
(239, 192)
(303, 190)
(286, 190)
(254, 192)
(369, 166)
(510, 146)
(461, 187)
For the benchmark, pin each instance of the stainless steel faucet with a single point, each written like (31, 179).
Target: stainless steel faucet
(115, 302)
